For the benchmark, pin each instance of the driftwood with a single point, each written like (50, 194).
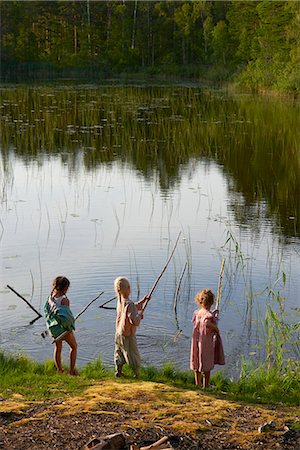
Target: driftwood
(161, 444)
(27, 302)
(117, 441)
(111, 442)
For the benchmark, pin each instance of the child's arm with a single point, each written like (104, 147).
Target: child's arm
(134, 315)
(212, 326)
(215, 313)
(141, 302)
(65, 302)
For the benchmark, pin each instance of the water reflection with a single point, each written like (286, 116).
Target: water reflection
(158, 130)
(97, 182)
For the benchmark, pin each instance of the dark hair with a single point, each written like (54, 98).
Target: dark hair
(59, 284)
(206, 297)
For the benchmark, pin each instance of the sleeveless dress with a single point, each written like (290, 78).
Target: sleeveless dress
(206, 348)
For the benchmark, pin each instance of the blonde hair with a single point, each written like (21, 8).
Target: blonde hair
(119, 284)
(205, 298)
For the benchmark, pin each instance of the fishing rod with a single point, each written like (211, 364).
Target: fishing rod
(220, 283)
(161, 273)
(154, 284)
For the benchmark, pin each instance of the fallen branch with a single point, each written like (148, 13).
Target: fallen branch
(161, 273)
(161, 444)
(156, 444)
(27, 302)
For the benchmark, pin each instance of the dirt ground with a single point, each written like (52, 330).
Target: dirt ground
(192, 420)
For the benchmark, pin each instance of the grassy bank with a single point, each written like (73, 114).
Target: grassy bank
(40, 381)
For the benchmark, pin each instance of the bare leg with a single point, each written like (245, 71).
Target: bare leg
(119, 372)
(197, 377)
(71, 340)
(206, 379)
(57, 356)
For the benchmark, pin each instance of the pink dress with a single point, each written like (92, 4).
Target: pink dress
(207, 348)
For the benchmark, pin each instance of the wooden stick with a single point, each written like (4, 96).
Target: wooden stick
(161, 273)
(26, 301)
(156, 444)
(62, 335)
(220, 284)
(105, 303)
(89, 304)
(34, 320)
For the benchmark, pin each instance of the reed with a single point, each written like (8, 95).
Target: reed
(144, 123)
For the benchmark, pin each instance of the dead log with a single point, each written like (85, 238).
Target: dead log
(114, 441)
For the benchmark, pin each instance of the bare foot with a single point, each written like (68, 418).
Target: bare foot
(74, 372)
(119, 375)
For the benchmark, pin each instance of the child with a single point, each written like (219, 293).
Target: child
(206, 348)
(129, 316)
(60, 319)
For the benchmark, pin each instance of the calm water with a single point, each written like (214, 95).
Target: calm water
(97, 182)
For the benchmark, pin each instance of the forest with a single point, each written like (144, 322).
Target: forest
(255, 44)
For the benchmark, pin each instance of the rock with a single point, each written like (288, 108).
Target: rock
(288, 434)
(267, 426)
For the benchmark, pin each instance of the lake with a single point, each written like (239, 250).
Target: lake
(97, 182)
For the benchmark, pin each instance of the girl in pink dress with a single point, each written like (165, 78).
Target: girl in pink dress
(206, 348)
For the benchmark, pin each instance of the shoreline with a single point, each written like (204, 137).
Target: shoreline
(41, 408)
(148, 79)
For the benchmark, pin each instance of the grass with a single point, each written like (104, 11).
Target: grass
(40, 381)
(37, 381)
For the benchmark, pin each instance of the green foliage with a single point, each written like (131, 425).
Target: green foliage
(268, 385)
(95, 370)
(256, 41)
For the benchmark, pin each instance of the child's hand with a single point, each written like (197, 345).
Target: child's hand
(216, 313)
(146, 298)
